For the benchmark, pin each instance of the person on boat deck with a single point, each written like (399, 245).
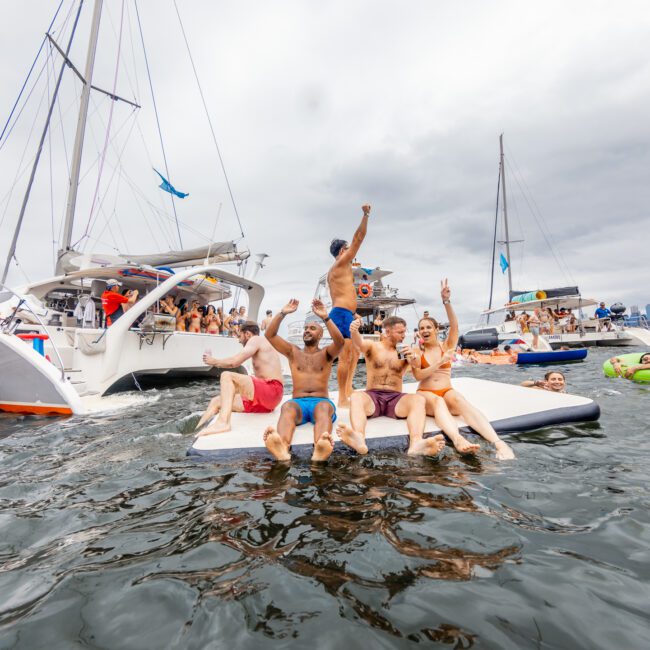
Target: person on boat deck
(344, 300)
(181, 316)
(221, 318)
(644, 364)
(377, 323)
(533, 326)
(168, 306)
(571, 322)
(211, 321)
(553, 380)
(240, 393)
(604, 317)
(267, 320)
(385, 369)
(310, 372)
(194, 318)
(522, 321)
(433, 370)
(228, 323)
(510, 316)
(113, 301)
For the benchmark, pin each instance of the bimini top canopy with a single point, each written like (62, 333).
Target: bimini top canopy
(568, 302)
(216, 253)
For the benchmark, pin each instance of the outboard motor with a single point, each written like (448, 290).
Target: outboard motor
(480, 339)
(618, 311)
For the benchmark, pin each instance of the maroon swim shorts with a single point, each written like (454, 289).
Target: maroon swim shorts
(385, 402)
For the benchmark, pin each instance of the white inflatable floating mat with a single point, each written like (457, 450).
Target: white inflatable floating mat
(509, 408)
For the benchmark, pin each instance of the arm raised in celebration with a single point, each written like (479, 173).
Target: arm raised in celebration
(280, 344)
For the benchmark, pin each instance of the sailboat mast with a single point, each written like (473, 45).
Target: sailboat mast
(81, 131)
(505, 215)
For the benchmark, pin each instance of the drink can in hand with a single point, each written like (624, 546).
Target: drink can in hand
(401, 350)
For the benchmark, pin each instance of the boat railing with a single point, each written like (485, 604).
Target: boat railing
(9, 324)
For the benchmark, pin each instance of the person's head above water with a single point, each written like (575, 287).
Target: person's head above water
(645, 358)
(555, 380)
(312, 334)
(337, 246)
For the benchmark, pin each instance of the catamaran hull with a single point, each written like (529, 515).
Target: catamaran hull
(30, 384)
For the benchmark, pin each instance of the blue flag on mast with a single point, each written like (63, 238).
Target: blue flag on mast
(168, 187)
(503, 263)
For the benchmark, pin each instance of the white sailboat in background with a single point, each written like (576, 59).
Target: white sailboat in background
(68, 360)
(495, 327)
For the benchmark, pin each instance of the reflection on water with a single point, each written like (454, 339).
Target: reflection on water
(113, 538)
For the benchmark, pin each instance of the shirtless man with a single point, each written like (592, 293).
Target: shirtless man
(344, 301)
(384, 396)
(267, 320)
(433, 370)
(310, 373)
(241, 393)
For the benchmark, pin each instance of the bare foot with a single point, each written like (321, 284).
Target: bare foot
(217, 427)
(276, 445)
(464, 446)
(352, 438)
(343, 403)
(427, 446)
(203, 419)
(323, 448)
(504, 452)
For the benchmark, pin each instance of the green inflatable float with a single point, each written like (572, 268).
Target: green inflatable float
(628, 360)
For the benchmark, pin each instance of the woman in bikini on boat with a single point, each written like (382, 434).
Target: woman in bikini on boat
(181, 316)
(194, 318)
(442, 400)
(211, 321)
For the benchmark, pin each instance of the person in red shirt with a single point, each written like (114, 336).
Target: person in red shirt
(112, 301)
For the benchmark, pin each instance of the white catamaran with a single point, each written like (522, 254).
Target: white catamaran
(54, 347)
(499, 325)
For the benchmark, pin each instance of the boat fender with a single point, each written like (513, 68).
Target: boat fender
(365, 290)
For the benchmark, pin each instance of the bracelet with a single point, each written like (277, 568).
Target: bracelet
(446, 302)
(326, 319)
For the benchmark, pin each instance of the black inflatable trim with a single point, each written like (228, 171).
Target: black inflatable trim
(584, 413)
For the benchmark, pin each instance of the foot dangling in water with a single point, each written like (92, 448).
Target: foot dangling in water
(464, 446)
(352, 438)
(276, 445)
(427, 446)
(323, 448)
(504, 451)
(217, 427)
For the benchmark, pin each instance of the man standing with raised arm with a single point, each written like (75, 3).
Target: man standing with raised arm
(386, 367)
(310, 373)
(344, 303)
(241, 393)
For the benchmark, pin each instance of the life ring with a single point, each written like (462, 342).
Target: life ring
(365, 290)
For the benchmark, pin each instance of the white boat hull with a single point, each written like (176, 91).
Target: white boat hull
(31, 384)
(509, 408)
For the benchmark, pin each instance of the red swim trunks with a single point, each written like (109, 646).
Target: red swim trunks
(267, 394)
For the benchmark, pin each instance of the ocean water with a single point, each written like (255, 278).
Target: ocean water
(112, 538)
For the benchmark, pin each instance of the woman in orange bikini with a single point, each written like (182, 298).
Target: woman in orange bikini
(442, 400)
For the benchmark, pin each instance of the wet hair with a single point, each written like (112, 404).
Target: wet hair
(250, 326)
(433, 321)
(336, 246)
(554, 372)
(391, 321)
(643, 356)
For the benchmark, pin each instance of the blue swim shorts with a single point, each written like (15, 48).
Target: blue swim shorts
(307, 406)
(342, 318)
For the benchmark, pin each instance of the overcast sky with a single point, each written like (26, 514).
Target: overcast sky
(321, 107)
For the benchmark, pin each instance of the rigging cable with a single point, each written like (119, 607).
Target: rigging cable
(207, 114)
(494, 241)
(155, 109)
(31, 69)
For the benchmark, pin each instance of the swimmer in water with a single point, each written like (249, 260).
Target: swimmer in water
(644, 364)
(310, 372)
(433, 371)
(553, 380)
